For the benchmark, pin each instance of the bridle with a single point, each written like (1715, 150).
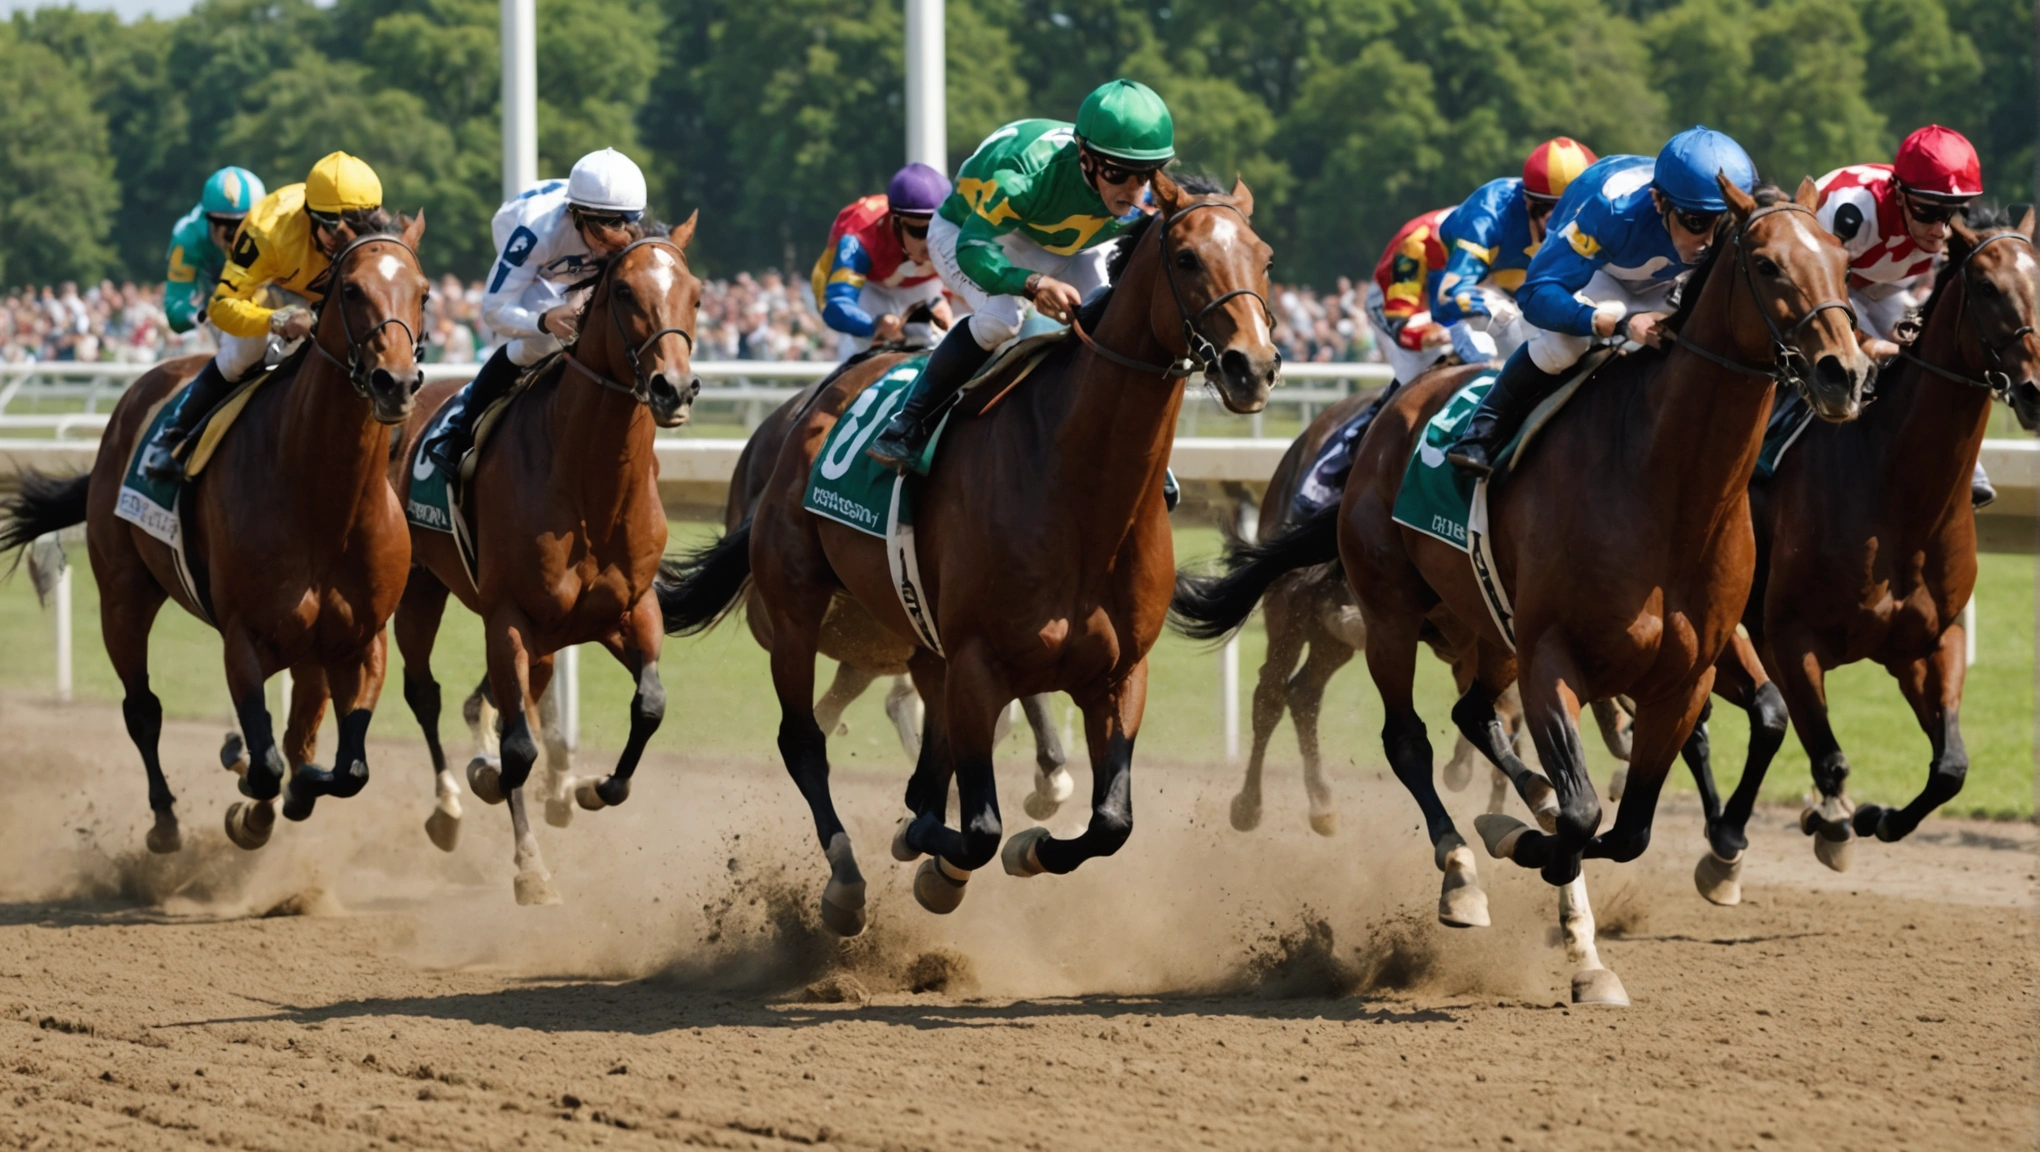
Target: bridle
(1995, 381)
(1788, 365)
(357, 370)
(641, 391)
(1205, 353)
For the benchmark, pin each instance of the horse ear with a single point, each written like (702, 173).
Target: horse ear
(1808, 196)
(1167, 193)
(1964, 234)
(684, 231)
(1739, 202)
(414, 229)
(1243, 197)
(2026, 223)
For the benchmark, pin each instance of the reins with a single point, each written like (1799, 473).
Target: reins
(1788, 364)
(1195, 343)
(357, 374)
(641, 391)
(1997, 383)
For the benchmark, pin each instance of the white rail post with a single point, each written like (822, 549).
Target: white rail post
(570, 695)
(1249, 524)
(927, 103)
(1969, 632)
(520, 95)
(64, 636)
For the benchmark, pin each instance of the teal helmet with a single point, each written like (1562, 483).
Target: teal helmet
(231, 192)
(1125, 120)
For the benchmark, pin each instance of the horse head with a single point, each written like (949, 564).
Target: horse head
(1995, 269)
(650, 298)
(374, 314)
(1216, 311)
(1797, 279)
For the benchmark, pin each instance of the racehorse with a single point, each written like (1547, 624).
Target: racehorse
(1866, 539)
(294, 538)
(1310, 615)
(568, 531)
(1044, 544)
(861, 646)
(1623, 542)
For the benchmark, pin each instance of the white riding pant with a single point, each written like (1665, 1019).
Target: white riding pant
(996, 319)
(1879, 307)
(1504, 325)
(240, 355)
(1554, 352)
(878, 300)
(525, 351)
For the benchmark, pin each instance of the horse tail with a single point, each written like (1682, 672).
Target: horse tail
(1212, 607)
(43, 504)
(699, 589)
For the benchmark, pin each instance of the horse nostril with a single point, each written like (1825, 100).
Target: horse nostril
(1830, 371)
(693, 386)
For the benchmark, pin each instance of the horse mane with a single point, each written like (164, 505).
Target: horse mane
(1983, 219)
(373, 222)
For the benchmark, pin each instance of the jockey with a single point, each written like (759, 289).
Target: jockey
(200, 241)
(876, 268)
(1032, 211)
(548, 239)
(1490, 239)
(1405, 278)
(1632, 228)
(1895, 220)
(285, 244)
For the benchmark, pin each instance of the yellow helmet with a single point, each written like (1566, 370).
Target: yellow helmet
(342, 183)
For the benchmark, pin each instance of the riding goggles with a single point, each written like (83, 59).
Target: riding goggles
(606, 221)
(1697, 223)
(1109, 172)
(1928, 211)
(915, 226)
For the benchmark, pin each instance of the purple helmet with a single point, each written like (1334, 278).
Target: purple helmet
(917, 190)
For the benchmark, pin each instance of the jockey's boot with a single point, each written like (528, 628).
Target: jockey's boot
(208, 388)
(950, 367)
(497, 376)
(1515, 392)
(1981, 492)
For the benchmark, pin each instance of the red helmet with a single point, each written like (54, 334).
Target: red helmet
(1552, 165)
(1937, 163)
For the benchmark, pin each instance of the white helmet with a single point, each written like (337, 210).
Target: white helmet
(607, 181)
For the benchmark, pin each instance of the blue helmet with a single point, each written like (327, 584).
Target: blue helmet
(1686, 168)
(231, 192)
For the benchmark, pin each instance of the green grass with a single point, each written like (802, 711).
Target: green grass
(720, 700)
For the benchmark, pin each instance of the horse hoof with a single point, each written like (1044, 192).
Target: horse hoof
(902, 851)
(1599, 986)
(843, 908)
(1463, 906)
(1873, 820)
(163, 837)
(249, 825)
(1500, 833)
(534, 889)
(1019, 856)
(1246, 812)
(1836, 854)
(298, 800)
(1325, 823)
(1719, 881)
(1617, 784)
(234, 754)
(485, 780)
(1039, 806)
(443, 829)
(613, 790)
(587, 796)
(559, 811)
(937, 888)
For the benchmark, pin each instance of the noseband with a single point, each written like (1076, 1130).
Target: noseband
(641, 390)
(358, 370)
(1995, 381)
(1195, 343)
(1788, 365)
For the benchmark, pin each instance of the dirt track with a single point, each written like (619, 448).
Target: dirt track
(1205, 988)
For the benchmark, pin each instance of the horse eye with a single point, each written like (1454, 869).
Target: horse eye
(354, 291)
(1983, 287)
(1187, 261)
(623, 291)
(1766, 267)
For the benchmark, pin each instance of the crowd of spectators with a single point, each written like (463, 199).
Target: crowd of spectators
(766, 317)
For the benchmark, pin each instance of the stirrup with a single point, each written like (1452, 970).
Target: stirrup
(895, 452)
(1462, 456)
(160, 463)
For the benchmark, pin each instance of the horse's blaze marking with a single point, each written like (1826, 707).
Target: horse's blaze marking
(387, 266)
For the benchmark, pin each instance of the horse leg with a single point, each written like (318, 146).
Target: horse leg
(1552, 709)
(1509, 706)
(417, 629)
(904, 708)
(1392, 661)
(1052, 783)
(636, 648)
(485, 768)
(849, 684)
(249, 825)
(560, 780)
(1803, 682)
(1111, 724)
(1482, 726)
(127, 610)
(939, 882)
(533, 883)
(1609, 717)
(1286, 641)
(510, 660)
(1739, 679)
(1933, 686)
(307, 710)
(795, 609)
(1306, 697)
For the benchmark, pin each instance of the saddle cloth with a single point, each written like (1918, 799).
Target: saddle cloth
(1790, 414)
(435, 501)
(1325, 482)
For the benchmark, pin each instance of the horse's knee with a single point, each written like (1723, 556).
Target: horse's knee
(421, 692)
(1768, 713)
(520, 752)
(1581, 817)
(649, 705)
(143, 713)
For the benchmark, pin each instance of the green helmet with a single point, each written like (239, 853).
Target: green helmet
(1125, 120)
(231, 192)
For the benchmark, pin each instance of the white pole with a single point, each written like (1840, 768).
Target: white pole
(927, 107)
(520, 96)
(1249, 524)
(64, 636)
(570, 695)
(1969, 632)
(283, 695)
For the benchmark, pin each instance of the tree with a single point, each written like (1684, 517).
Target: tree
(57, 189)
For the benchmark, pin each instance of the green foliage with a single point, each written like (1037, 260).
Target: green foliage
(57, 189)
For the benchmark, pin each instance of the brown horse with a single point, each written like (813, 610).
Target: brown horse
(568, 528)
(1866, 539)
(862, 647)
(1044, 543)
(1623, 542)
(296, 542)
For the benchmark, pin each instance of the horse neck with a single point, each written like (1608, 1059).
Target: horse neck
(1926, 429)
(334, 452)
(1707, 422)
(601, 438)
